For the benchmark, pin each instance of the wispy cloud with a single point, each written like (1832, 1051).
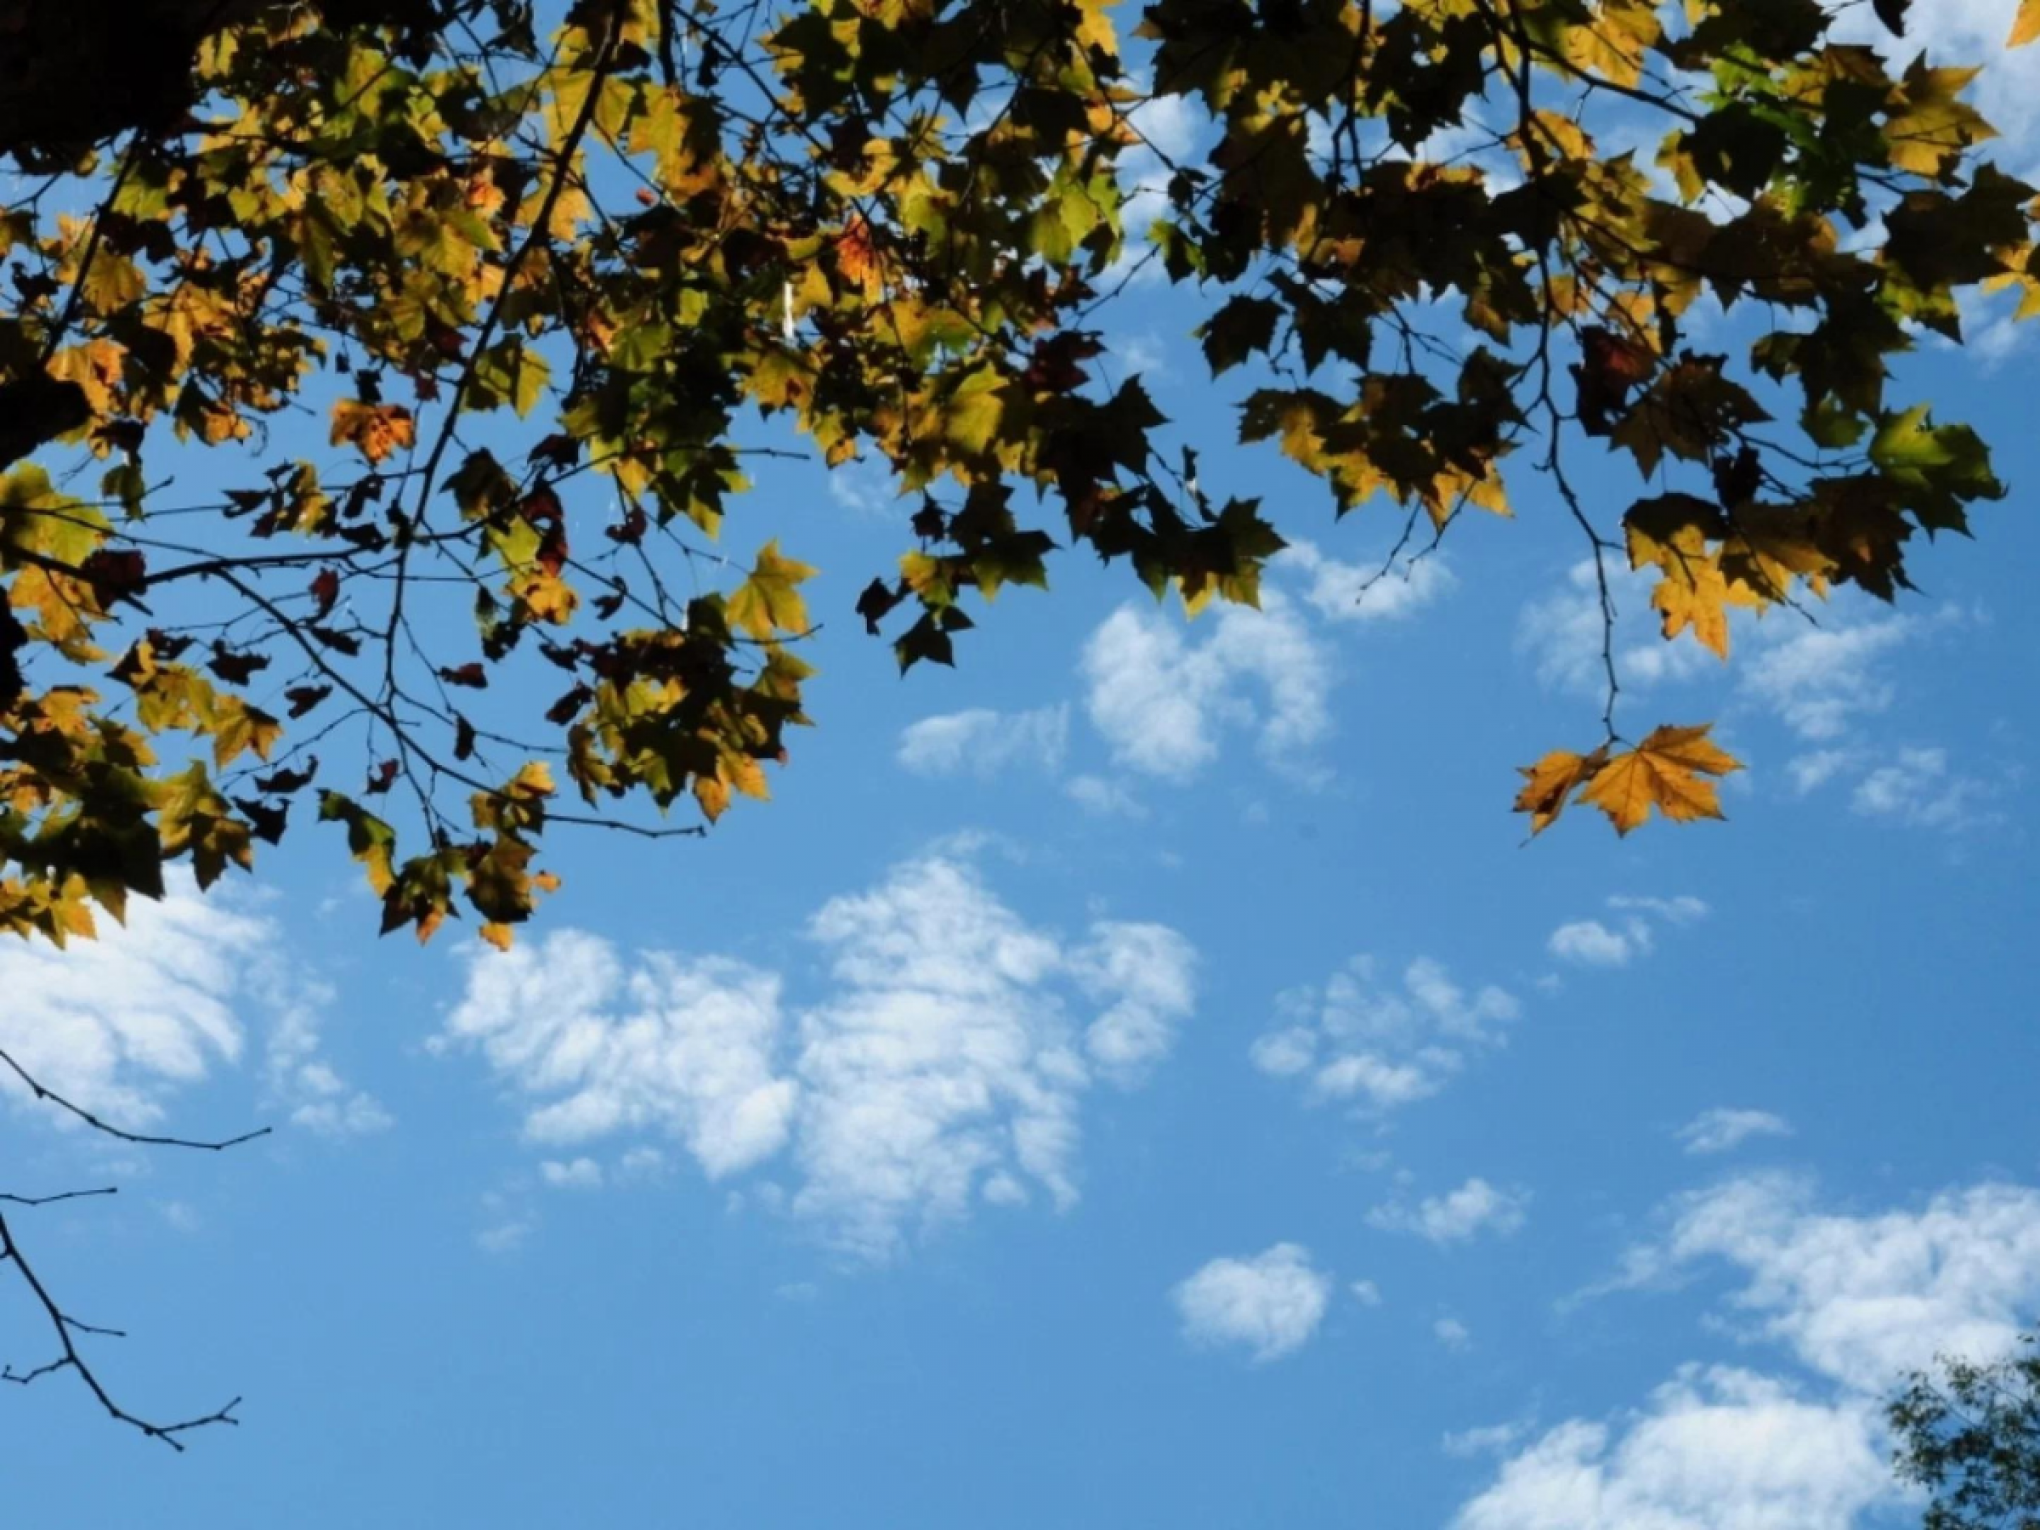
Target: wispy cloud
(122, 1023)
(1632, 935)
(1350, 592)
(983, 743)
(1382, 1042)
(1723, 1129)
(1459, 1215)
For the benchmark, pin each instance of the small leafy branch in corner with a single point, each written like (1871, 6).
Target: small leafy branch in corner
(67, 1329)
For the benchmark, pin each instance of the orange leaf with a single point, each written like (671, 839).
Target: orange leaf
(1551, 781)
(378, 429)
(857, 254)
(1663, 772)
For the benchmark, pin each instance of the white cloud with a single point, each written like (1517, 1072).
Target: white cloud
(1562, 635)
(1456, 1216)
(1366, 1293)
(1169, 128)
(1483, 1440)
(866, 486)
(120, 1023)
(1916, 787)
(1452, 1334)
(575, 1174)
(1715, 1449)
(1859, 1301)
(1682, 910)
(1379, 1044)
(946, 1062)
(1591, 943)
(1103, 798)
(983, 742)
(1820, 680)
(509, 1226)
(1145, 975)
(681, 1046)
(1160, 700)
(1814, 769)
(1864, 1299)
(1724, 1128)
(1348, 592)
(1272, 1302)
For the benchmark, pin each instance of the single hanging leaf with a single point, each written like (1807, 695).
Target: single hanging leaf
(1663, 772)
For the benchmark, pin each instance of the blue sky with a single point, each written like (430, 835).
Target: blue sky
(1141, 1078)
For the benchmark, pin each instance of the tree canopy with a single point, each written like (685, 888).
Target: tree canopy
(548, 279)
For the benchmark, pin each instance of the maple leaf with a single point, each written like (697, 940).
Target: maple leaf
(1551, 782)
(376, 430)
(769, 601)
(1663, 772)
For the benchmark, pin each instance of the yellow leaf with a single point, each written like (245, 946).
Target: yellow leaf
(1663, 772)
(1551, 781)
(498, 935)
(533, 780)
(713, 796)
(2026, 25)
(768, 600)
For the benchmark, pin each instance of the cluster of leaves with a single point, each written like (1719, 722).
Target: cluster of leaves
(1970, 1435)
(889, 224)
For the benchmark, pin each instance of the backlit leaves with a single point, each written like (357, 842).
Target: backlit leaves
(1667, 773)
(547, 295)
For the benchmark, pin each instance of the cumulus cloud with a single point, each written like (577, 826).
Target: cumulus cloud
(1590, 943)
(1452, 1334)
(1271, 1303)
(1161, 698)
(680, 1046)
(1714, 1449)
(945, 1062)
(1457, 1216)
(1863, 1299)
(120, 1024)
(1377, 1042)
(1857, 1300)
(1722, 1129)
(983, 743)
